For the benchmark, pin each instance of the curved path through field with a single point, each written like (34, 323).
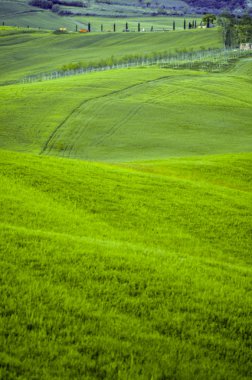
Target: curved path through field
(173, 115)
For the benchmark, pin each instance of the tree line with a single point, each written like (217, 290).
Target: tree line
(187, 25)
(236, 30)
(218, 4)
(216, 60)
(54, 5)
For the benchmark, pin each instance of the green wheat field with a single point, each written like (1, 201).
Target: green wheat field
(126, 212)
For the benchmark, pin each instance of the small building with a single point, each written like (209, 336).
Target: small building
(246, 46)
(61, 31)
(205, 26)
(84, 31)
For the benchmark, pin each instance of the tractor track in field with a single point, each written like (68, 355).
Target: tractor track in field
(117, 126)
(52, 135)
(47, 147)
(112, 130)
(222, 95)
(83, 130)
(68, 147)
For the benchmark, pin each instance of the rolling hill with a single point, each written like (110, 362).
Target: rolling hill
(126, 271)
(125, 195)
(39, 52)
(130, 114)
(52, 14)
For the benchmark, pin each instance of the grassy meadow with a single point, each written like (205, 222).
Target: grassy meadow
(126, 212)
(21, 14)
(39, 52)
(137, 271)
(130, 114)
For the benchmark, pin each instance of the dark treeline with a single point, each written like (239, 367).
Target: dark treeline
(48, 4)
(156, 7)
(236, 30)
(218, 4)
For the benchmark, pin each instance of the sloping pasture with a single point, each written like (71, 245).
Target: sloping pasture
(177, 115)
(21, 14)
(134, 271)
(24, 54)
(129, 114)
(137, 267)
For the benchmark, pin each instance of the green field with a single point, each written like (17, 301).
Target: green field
(126, 212)
(21, 14)
(126, 272)
(130, 114)
(39, 52)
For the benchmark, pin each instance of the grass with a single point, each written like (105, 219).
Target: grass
(243, 67)
(21, 14)
(135, 264)
(32, 53)
(126, 272)
(151, 120)
(130, 114)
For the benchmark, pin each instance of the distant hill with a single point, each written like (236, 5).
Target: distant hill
(236, 6)
(52, 14)
(124, 8)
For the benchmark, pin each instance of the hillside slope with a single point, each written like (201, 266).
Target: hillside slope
(24, 54)
(50, 14)
(116, 272)
(21, 14)
(130, 114)
(160, 117)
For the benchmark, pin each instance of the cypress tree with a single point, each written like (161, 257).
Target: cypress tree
(89, 27)
(101, 27)
(174, 25)
(138, 27)
(126, 26)
(114, 26)
(76, 28)
(184, 24)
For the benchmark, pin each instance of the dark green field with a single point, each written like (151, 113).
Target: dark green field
(22, 13)
(125, 212)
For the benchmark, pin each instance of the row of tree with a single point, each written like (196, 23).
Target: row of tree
(187, 25)
(235, 30)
